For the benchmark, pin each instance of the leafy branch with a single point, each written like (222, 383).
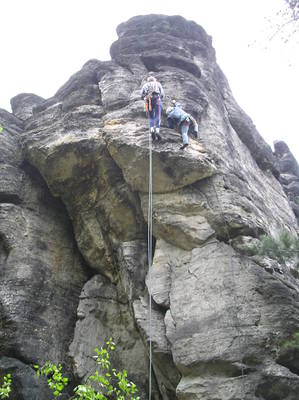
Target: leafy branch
(5, 389)
(56, 381)
(112, 384)
(109, 385)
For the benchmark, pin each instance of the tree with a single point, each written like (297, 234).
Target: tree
(283, 248)
(287, 23)
(293, 9)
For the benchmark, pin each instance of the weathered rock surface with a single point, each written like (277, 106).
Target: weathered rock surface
(101, 314)
(41, 269)
(289, 174)
(22, 105)
(220, 315)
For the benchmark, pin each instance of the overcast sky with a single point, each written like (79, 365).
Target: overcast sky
(43, 42)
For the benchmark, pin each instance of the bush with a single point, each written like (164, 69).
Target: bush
(282, 249)
(56, 381)
(5, 389)
(294, 343)
(112, 385)
(109, 385)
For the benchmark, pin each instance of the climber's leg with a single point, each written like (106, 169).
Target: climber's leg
(158, 111)
(184, 131)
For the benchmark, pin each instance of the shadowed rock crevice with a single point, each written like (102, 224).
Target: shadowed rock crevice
(47, 200)
(156, 63)
(216, 368)
(9, 198)
(277, 389)
(4, 249)
(289, 358)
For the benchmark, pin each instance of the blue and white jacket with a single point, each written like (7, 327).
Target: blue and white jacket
(179, 116)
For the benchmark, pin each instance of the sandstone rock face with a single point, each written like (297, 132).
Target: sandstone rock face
(289, 174)
(23, 104)
(73, 228)
(42, 272)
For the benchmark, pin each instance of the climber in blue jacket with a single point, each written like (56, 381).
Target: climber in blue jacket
(177, 117)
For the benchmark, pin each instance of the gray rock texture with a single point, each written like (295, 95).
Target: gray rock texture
(73, 228)
(22, 105)
(42, 272)
(289, 174)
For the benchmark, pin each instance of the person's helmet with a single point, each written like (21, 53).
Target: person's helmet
(151, 79)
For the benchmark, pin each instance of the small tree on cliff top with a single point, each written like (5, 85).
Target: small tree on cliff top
(283, 249)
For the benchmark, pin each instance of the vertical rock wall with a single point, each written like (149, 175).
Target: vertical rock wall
(41, 269)
(289, 174)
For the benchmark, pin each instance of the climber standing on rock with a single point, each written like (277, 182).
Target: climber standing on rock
(153, 93)
(177, 117)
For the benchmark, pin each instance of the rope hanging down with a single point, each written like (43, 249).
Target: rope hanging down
(234, 293)
(149, 256)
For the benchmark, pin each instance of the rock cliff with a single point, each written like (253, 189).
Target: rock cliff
(73, 229)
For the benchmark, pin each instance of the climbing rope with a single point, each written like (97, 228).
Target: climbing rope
(234, 293)
(149, 256)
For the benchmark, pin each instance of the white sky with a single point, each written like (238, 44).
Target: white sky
(43, 42)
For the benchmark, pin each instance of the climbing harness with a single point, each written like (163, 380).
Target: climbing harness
(153, 89)
(236, 316)
(149, 256)
(148, 104)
